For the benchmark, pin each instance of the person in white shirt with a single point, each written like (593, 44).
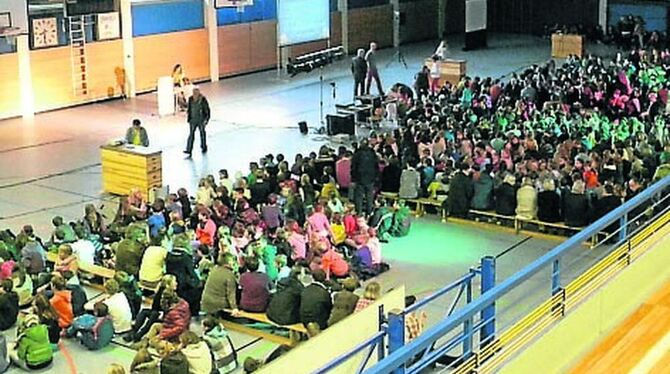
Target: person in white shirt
(442, 50)
(119, 308)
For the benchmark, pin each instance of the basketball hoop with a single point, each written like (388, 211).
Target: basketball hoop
(10, 33)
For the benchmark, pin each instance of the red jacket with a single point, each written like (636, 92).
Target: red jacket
(176, 321)
(62, 303)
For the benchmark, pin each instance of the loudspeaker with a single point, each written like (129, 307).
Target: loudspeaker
(341, 124)
(303, 127)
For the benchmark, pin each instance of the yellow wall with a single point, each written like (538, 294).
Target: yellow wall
(10, 95)
(562, 346)
(52, 74)
(156, 55)
(338, 339)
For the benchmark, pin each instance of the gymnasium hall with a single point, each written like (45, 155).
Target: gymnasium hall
(334, 186)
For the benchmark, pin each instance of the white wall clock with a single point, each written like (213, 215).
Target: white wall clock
(108, 26)
(45, 32)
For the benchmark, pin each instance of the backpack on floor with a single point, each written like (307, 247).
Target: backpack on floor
(99, 336)
(174, 363)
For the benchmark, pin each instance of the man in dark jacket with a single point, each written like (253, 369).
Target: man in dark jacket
(482, 199)
(344, 302)
(506, 197)
(607, 203)
(179, 262)
(359, 68)
(364, 172)
(284, 307)
(460, 192)
(315, 302)
(198, 117)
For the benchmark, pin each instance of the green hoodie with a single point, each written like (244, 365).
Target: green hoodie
(34, 347)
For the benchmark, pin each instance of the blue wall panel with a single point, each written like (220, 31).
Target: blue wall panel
(260, 11)
(655, 16)
(159, 18)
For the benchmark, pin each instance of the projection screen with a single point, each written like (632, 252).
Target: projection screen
(303, 21)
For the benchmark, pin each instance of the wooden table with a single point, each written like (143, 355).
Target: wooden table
(450, 70)
(126, 167)
(563, 46)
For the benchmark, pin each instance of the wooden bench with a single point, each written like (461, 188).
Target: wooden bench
(295, 330)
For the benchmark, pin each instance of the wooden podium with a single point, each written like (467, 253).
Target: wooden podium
(126, 167)
(450, 70)
(563, 46)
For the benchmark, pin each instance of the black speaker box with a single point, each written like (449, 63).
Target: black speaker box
(303, 127)
(341, 124)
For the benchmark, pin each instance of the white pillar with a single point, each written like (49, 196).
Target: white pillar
(128, 47)
(343, 7)
(396, 23)
(441, 18)
(25, 77)
(602, 14)
(213, 37)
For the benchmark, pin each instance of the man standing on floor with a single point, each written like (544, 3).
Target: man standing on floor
(359, 68)
(197, 117)
(364, 173)
(373, 73)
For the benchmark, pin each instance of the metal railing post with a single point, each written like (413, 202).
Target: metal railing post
(488, 313)
(467, 325)
(556, 277)
(396, 334)
(623, 227)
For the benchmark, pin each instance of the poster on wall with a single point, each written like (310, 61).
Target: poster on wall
(232, 3)
(108, 26)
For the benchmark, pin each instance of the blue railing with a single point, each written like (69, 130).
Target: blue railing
(396, 323)
(460, 326)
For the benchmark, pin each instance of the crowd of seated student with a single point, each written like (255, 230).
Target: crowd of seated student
(279, 242)
(557, 143)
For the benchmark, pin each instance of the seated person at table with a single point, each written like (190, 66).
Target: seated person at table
(9, 304)
(137, 135)
(255, 287)
(95, 331)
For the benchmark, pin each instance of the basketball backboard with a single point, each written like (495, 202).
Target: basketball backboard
(14, 15)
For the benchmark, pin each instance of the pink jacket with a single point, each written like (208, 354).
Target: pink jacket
(343, 172)
(318, 223)
(299, 244)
